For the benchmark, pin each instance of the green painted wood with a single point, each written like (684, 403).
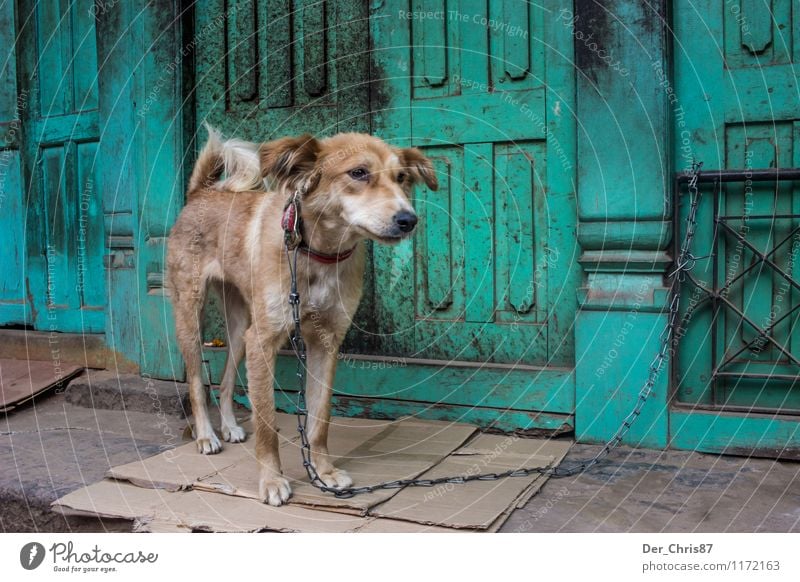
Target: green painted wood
(445, 295)
(52, 21)
(352, 68)
(498, 419)
(277, 76)
(750, 121)
(14, 304)
(14, 307)
(481, 280)
(735, 434)
(438, 233)
(516, 52)
(503, 420)
(63, 242)
(118, 182)
(514, 399)
(430, 54)
(503, 117)
(624, 175)
(756, 29)
(516, 278)
(524, 388)
(84, 58)
(615, 350)
(478, 240)
(299, 84)
(242, 54)
(157, 31)
(314, 60)
(8, 73)
(543, 389)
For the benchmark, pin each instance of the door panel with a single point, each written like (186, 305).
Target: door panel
(476, 283)
(739, 61)
(270, 68)
(64, 238)
(14, 309)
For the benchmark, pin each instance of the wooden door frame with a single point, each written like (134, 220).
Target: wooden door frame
(142, 130)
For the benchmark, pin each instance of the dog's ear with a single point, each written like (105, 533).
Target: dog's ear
(292, 161)
(419, 167)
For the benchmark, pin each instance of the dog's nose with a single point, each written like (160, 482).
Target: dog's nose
(405, 220)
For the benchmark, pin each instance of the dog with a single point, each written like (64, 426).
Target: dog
(351, 188)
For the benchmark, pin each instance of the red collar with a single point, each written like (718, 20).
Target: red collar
(325, 258)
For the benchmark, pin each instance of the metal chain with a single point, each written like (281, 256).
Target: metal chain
(683, 263)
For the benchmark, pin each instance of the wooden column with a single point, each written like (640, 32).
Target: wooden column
(623, 209)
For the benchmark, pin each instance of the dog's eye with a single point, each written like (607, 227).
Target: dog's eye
(360, 174)
(401, 177)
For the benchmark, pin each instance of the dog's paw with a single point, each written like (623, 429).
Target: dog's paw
(233, 434)
(336, 478)
(275, 491)
(209, 445)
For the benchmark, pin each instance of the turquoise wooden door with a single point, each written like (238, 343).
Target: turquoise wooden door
(56, 248)
(14, 308)
(471, 320)
(737, 108)
(490, 276)
(486, 90)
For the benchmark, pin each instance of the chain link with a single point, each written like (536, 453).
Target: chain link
(683, 263)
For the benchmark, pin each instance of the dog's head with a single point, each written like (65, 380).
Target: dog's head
(351, 181)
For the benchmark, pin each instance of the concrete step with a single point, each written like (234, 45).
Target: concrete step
(106, 390)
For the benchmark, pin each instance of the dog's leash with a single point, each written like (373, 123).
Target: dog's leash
(293, 238)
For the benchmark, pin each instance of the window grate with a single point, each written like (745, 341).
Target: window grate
(733, 361)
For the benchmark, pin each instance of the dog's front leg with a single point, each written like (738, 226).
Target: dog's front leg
(261, 349)
(321, 360)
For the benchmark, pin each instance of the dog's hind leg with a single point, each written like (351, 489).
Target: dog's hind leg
(321, 357)
(188, 306)
(237, 320)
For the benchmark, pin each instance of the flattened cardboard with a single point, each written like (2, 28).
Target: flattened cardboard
(241, 478)
(372, 451)
(182, 467)
(477, 504)
(402, 449)
(178, 469)
(22, 380)
(158, 510)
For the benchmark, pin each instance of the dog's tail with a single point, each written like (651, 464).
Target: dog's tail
(236, 159)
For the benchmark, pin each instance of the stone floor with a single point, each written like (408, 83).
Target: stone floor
(67, 440)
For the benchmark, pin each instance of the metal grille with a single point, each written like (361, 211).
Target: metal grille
(744, 348)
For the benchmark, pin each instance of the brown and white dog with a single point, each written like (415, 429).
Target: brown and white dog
(353, 187)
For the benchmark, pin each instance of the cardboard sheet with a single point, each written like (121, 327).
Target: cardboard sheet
(22, 380)
(477, 504)
(159, 511)
(184, 468)
(400, 449)
(182, 490)
(198, 511)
